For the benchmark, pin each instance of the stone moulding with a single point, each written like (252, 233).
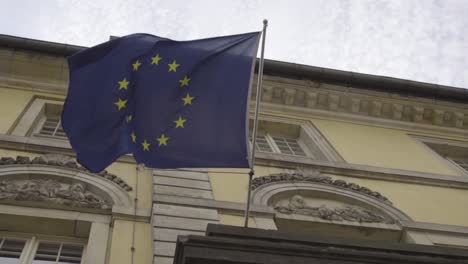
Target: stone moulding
(362, 102)
(297, 205)
(315, 177)
(52, 191)
(64, 162)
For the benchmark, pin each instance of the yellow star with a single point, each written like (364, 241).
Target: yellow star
(123, 84)
(184, 81)
(145, 145)
(133, 137)
(155, 59)
(136, 65)
(121, 104)
(188, 99)
(180, 122)
(173, 66)
(163, 140)
(129, 118)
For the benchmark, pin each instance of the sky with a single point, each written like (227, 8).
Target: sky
(422, 40)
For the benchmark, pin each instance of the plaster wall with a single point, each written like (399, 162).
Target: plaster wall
(381, 147)
(237, 181)
(121, 243)
(422, 203)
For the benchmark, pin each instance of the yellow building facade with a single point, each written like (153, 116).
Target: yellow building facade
(339, 154)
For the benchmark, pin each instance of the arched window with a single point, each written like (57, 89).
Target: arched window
(54, 211)
(316, 205)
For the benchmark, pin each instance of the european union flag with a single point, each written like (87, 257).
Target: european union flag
(173, 104)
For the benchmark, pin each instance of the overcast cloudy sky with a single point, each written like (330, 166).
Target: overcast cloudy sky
(424, 40)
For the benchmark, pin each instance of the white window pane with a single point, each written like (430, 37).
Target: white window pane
(43, 262)
(8, 260)
(53, 127)
(461, 163)
(46, 253)
(262, 144)
(50, 252)
(289, 146)
(10, 250)
(71, 254)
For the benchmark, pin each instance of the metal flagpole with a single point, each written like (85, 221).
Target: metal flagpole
(140, 167)
(254, 133)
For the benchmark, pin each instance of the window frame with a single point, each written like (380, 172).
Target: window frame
(447, 159)
(61, 242)
(269, 138)
(33, 118)
(455, 163)
(32, 244)
(311, 140)
(38, 129)
(23, 253)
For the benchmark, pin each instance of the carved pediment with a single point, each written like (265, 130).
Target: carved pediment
(65, 162)
(329, 210)
(53, 192)
(314, 176)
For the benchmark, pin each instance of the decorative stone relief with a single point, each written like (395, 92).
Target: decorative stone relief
(297, 205)
(390, 107)
(51, 191)
(316, 177)
(62, 161)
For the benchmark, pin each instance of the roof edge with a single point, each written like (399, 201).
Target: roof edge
(290, 70)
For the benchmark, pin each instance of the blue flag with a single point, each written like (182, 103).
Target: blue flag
(172, 104)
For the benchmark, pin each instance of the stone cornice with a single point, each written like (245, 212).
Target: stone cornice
(361, 171)
(41, 145)
(432, 227)
(328, 98)
(59, 88)
(306, 114)
(288, 70)
(258, 210)
(328, 101)
(64, 162)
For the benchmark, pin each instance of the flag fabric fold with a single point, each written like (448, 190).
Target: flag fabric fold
(172, 104)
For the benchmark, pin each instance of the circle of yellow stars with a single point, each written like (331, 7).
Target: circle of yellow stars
(121, 104)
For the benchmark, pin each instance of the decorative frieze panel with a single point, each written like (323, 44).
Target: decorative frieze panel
(342, 213)
(315, 177)
(51, 192)
(377, 105)
(62, 161)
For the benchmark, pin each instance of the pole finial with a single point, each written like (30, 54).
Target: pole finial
(140, 166)
(265, 22)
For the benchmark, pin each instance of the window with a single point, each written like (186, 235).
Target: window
(36, 251)
(288, 146)
(10, 250)
(463, 164)
(292, 139)
(55, 252)
(40, 118)
(455, 153)
(49, 123)
(279, 144)
(52, 127)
